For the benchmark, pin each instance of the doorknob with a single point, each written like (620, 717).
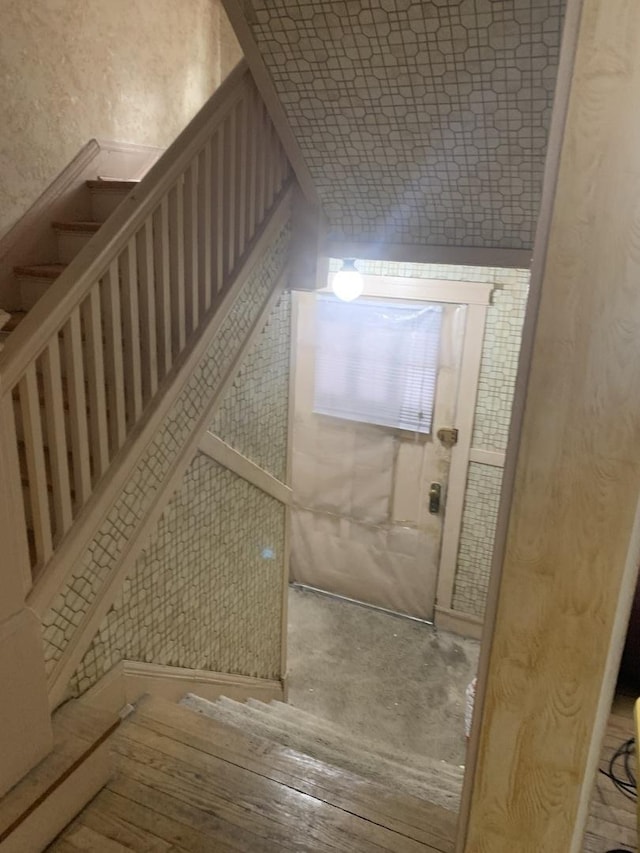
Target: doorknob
(435, 493)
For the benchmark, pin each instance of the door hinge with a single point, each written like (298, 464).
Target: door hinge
(448, 436)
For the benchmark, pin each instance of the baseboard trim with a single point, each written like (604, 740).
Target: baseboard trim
(456, 622)
(129, 680)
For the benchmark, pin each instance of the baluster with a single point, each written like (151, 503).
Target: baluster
(131, 329)
(176, 254)
(94, 347)
(56, 436)
(241, 175)
(230, 168)
(261, 164)
(148, 339)
(191, 230)
(252, 164)
(13, 523)
(74, 371)
(112, 318)
(219, 220)
(270, 165)
(204, 219)
(36, 468)
(162, 269)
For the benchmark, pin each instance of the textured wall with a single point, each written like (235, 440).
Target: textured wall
(126, 70)
(102, 555)
(422, 121)
(491, 431)
(203, 594)
(206, 592)
(253, 417)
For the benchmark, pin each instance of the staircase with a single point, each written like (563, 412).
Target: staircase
(109, 374)
(417, 776)
(32, 282)
(189, 781)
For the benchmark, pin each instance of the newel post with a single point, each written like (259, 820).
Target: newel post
(25, 724)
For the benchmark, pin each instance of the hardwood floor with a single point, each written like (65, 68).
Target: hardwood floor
(186, 782)
(612, 820)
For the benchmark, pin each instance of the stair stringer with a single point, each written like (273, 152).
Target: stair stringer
(73, 613)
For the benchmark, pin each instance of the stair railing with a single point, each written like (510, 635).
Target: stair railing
(80, 372)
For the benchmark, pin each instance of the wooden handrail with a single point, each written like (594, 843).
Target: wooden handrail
(68, 290)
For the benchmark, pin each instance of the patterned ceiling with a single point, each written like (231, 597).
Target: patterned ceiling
(421, 122)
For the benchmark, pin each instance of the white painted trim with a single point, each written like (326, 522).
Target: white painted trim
(264, 84)
(487, 457)
(424, 289)
(463, 624)
(224, 454)
(128, 680)
(172, 682)
(458, 255)
(84, 634)
(465, 413)
(95, 511)
(286, 569)
(108, 693)
(32, 240)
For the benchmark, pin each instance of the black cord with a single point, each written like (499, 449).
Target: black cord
(623, 779)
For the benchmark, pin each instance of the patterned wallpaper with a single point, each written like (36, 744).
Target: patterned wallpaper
(133, 503)
(422, 121)
(498, 370)
(206, 593)
(253, 417)
(479, 518)
(500, 361)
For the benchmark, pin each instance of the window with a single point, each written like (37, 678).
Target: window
(377, 362)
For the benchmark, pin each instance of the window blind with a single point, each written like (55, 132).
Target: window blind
(377, 362)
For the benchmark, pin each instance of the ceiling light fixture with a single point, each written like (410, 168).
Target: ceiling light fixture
(348, 284)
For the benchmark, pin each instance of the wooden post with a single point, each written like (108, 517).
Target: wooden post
(25, 726)
(573, 538)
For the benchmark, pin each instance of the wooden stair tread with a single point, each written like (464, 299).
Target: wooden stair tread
(77, 732)
(107, 184)
(14, 320)
(51, 271)
(82, 226)
(403, 816)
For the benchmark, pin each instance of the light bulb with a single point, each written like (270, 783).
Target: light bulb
(348, 284)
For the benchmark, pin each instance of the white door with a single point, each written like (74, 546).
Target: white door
(365, 523)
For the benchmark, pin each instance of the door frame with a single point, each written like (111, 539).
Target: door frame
(476, 297)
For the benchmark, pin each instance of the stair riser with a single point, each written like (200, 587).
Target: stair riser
(104, 202)
(70, 243)
(32, 288)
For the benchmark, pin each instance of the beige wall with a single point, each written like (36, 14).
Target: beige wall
(71, 70)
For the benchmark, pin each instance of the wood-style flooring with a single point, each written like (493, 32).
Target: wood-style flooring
(188, 783)
(612, 820)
